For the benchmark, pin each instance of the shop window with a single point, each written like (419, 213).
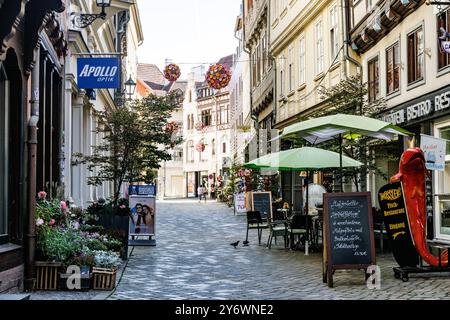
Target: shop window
(443, 21)
(442, 217)
(393, 68)
(374, 80)
(416, 57)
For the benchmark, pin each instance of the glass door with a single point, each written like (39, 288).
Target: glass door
(442, 188)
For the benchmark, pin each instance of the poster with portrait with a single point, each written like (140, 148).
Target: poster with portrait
(142, 220)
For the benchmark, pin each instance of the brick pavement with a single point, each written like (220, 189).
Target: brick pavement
(193, 259)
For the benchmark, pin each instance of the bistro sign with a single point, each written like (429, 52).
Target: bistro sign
(419, 109)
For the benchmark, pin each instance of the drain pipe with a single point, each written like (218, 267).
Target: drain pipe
(346, 30)
(30, 276)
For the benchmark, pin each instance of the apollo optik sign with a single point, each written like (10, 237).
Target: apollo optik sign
(98, 73)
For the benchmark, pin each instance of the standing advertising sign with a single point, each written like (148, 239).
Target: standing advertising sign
(393, 207)
(98, 73)
(143, 211)
(240, 203)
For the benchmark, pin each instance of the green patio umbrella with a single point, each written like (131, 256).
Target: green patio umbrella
(302, 159)
(342, 126)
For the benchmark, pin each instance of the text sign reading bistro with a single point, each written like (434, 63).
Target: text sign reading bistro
(262, 202)
(98, 73)
(349, 231)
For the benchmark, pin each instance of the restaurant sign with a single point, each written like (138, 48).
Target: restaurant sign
(418, 109)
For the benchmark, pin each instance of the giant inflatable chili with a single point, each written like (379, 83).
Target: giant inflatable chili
(412, 174)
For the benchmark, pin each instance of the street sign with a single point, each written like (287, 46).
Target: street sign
(142, 190)
(98, 73)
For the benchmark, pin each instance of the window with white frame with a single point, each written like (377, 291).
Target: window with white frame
(190, 154)
(282, 76)
(291, 69)
(334, 33)
(319, 47)
(442, 187)
(393, 68)
(416, 55)
(302, 61)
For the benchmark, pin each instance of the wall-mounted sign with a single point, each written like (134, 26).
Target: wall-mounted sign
(419, 109)
(98, 73)
(434, 150)
(444, 44)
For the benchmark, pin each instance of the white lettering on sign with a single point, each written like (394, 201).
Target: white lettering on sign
(102, 72)
(445, 45)
(442, 101)
(419, 110)
(395, 118)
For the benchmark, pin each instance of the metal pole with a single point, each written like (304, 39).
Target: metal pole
(30, 275)
(341, 176)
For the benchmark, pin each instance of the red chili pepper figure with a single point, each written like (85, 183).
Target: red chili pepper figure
(412, 174)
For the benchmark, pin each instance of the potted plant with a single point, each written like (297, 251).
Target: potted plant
(84, 261)
(105, 270)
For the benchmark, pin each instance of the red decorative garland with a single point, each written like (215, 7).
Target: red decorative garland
(218, 76)
(172, 72)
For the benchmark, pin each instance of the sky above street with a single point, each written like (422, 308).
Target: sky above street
(187, 31)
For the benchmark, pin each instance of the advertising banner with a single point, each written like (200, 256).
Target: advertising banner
(434, 150)
(240, 203)
(142, 216)
(142, 190)
(98, 73)
(393, 208)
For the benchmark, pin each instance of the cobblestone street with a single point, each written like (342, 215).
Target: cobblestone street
(193, 259)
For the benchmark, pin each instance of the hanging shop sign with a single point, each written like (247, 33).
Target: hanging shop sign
(349, 238)
(434, 150)
(393, 208)
(425, 107)
(98, 73)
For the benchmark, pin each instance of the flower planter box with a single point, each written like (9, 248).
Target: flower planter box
(47, 275)
(85, 283)
(104, 279)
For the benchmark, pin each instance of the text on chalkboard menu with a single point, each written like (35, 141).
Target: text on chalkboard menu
(262, 202)
(350, 241)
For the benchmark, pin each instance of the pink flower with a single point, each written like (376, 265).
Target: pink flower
(63, 205)
(42, 195)
(39, 222)
(52, 222)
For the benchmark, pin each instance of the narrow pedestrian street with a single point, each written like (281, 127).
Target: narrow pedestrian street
(194, 260)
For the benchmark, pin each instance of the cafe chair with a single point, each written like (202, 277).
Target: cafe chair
(299, 227)
(277, 228)
(254, 221)
(379, 231)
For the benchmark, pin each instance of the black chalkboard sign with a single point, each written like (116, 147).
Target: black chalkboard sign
(262, 202)
(349, 232)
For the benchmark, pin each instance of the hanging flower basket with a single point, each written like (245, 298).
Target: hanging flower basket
(172, 72)
(211, 177)
(200, 147)
(218, 76)
(171, 127)
(199, 126)
(219, 178)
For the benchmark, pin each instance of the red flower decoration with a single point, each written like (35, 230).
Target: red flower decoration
(172, 72)
(218, 76)
(171, 127)
(199, 126)
(200, 147)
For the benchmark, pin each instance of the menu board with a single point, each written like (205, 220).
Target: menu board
(349, 232)
(262, 202)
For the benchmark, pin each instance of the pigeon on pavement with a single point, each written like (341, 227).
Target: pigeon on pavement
(235, 244)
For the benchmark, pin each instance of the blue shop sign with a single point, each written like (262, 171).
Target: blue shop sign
(142, 190)
(98, 73)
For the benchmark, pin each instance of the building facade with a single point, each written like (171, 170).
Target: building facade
(32, 56)
(120, 34)
(404, 64)
(206, 132)
(171, 183)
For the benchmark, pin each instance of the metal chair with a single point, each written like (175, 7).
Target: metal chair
(300, 225)
(277, 228)
(254, 221)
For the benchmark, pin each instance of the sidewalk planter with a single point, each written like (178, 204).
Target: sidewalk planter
(86, 282)
(104, 279)
(47, 275)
